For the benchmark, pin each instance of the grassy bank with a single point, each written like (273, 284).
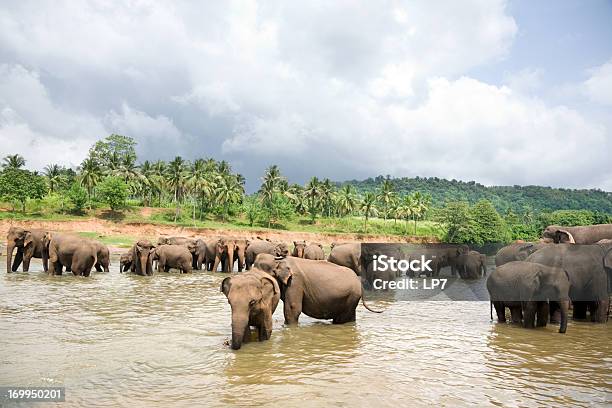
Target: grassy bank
(165, 216)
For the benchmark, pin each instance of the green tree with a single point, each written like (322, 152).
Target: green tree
(13, 161)
(278, 209)
(90, 174)
(312, 193)
(20, 185)
(346, 201)
(386, 196)
(457, 220)
(252, 209)
(53, 172)
(77, 196)
(113, 191)
(489, 226)
(177, 173)
(113, 150)
(368, 208)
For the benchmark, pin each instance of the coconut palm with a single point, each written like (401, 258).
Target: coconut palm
(13, 161)
(228, 192)
(312, 194)
(368, 207)
(346, 202)
(90, 175)
(176, 176)
(386, 196)
(53, 172)
(327, 191)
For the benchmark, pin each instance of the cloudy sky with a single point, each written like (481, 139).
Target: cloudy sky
(501, 92)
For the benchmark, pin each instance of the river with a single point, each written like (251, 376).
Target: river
(122, 340)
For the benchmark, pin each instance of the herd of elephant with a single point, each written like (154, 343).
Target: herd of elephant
(539, 281)
(536, 281)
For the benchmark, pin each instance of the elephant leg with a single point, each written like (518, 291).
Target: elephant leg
(599, 311)
(555, 312)
(500, 309)
(517, 314)
(529, 313)
(292, 306)
(580, 309)
(17, 260)
(26, 263)
(98, 267)
(265, 329)
(246, 337)
(106, 267)
(346, 317)
(542, 314)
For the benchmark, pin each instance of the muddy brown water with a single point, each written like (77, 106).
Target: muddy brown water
(122, 340)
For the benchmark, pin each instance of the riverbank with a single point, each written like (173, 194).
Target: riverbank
(122, 234)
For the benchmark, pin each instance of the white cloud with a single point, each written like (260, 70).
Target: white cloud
(599, 86)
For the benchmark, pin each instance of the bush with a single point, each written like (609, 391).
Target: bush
(113, 191)
(77, 196)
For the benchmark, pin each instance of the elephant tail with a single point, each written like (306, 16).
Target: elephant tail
(491, 309)
(368, 307)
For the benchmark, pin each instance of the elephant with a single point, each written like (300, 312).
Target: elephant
(142, 258)
(197, 247)
(172, 256)
(589, 234)
(264, 247)
(472, 265)
(240, 247)
(347, 255)
(590, 273)
(103, 257)
(517, 252)
(526, 288)
(604, 241)
(314, 251)
(73, 252)
(298, 248)
(253, 297)
(29, 244)
(319, 289)
(125, 261)
(220, 251)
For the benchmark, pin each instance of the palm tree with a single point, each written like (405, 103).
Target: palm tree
(91, 172)
(312, 193)
(327, 196)
(386, 196)
(368, 207)
(228, 192)
(157, 179)
(54, 175)
(405, 209)
(347, 200)
(13, 161)
(420, 205)
(177, 179)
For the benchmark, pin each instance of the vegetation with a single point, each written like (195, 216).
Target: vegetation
(207, 193)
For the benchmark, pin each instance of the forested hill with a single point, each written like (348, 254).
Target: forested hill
(503, 197)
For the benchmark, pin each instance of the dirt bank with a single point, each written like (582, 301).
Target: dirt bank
(151, 231)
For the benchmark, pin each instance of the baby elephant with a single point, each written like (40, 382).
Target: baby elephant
(526, 288)
(253, 296)
(173, 256)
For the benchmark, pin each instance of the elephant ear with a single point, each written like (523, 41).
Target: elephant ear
(270, 279)
(226, 285)
(564, 237)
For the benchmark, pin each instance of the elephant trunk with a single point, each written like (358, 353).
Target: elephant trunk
(230, 260)
(9, 256)
(239, 326)
(564, 304)
(143, 259)
(240, 260)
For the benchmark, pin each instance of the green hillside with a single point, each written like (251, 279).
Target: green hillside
(503, 197)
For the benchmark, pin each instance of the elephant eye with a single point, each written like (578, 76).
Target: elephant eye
(252, 302)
